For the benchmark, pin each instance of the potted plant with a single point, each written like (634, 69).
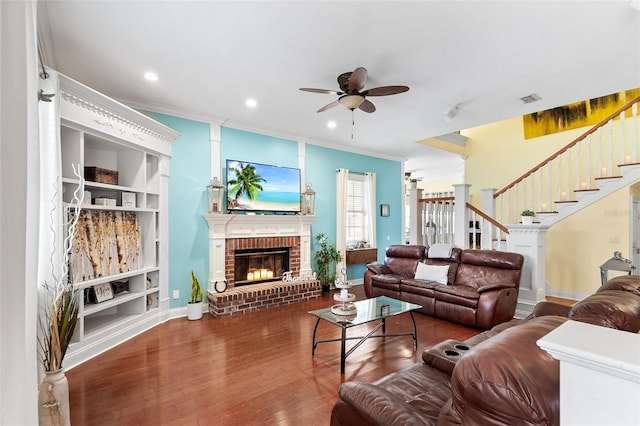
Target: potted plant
(194, 307)
(527, 217)
(326, 258)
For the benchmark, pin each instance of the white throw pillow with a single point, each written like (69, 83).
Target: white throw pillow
(435, 273)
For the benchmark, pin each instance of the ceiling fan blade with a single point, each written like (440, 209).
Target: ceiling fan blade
(367, 106)
(328, 106)
(385, 91)
(324, 91)
(357, 79)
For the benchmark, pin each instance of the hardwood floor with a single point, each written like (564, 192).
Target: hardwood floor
(252, 369)
(561, 301)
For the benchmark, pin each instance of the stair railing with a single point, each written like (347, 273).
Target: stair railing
(438, 218)
(484, 231)
(596, 154)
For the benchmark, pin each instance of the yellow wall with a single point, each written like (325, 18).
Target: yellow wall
(578, 245)
(497, 154)
(444, 185)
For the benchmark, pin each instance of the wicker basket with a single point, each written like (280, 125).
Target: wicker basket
(97, 174)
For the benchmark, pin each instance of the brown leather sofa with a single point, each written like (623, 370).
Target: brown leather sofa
(499, 376)
(481, 289)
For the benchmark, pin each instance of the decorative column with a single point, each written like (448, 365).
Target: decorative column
(489, 207)
(415, 216)
(461, 215)
(214, 139)
(529, 241)
(305, 243)
(217, 234)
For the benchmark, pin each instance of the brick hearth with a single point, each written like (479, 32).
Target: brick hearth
(249, 298)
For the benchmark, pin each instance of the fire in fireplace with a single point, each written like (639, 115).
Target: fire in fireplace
(260, 265)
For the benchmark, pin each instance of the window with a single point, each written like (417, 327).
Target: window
(357, 215)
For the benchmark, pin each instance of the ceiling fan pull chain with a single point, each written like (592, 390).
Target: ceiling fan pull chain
(353, 122)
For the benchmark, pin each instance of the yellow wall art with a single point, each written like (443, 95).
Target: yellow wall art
(575, 115)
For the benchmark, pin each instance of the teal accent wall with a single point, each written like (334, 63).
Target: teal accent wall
(321, 165)
(248, 146)
(190, 173)
(189, 176)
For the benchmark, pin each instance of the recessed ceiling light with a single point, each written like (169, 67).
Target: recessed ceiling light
(251, 103)
(151, 76)
(331, 124)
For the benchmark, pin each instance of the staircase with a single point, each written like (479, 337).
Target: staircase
(594, 165)
(601, 161)
(629, 173)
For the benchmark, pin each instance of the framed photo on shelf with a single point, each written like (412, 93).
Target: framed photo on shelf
(129, 199)
(102, 292)
(384, 210)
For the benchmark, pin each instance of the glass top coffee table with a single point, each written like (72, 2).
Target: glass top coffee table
(376, 309)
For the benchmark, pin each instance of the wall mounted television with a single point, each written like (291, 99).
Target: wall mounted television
(255, 187)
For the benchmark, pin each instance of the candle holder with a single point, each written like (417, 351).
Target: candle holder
(346, 307)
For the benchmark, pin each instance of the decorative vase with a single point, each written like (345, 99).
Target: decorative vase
(527, 220)
(53, 399)
(194, 311)
(326, 288)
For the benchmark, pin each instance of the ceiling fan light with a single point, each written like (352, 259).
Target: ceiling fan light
(351, 101)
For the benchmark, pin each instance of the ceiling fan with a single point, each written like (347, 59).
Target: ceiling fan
(350, 95)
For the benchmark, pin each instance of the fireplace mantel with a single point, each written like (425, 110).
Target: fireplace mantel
(232, 226)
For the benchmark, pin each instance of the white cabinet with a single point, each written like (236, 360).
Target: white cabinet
(123, 243)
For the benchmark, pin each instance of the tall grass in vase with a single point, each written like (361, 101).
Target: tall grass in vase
(58, 316)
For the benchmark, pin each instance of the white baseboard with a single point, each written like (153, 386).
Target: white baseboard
(563, 294)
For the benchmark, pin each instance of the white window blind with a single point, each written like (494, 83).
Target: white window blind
(357, 223)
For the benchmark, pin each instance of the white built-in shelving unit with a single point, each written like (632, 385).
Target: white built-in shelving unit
(97, 131)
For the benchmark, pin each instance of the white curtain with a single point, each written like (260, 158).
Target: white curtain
(370, 203)
(342, 175)
(19, 212)
(50, 191)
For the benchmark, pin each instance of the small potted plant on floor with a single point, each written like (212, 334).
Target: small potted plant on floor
(326, 258)
(527, 217)
(194, 307)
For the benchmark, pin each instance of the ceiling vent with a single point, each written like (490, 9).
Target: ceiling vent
(530, 98)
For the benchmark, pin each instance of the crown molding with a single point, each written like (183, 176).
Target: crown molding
(163, 109)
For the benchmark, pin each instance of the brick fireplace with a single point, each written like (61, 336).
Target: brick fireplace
(260, 247)
(229, 233)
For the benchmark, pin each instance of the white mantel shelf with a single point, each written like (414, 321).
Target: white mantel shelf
(599, 373)
(250, 226)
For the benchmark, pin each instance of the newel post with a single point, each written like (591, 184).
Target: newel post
(530, 241)
(461, 215)
(415, 216)
(489, 207)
